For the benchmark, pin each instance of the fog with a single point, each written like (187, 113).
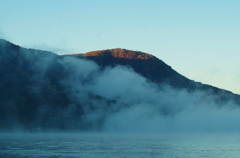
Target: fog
(144, 107)
(118, 100)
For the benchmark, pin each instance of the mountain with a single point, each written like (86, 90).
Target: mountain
(155, 70)
(145, 64)
(44, 91)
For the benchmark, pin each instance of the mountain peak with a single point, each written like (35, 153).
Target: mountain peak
(120, 53)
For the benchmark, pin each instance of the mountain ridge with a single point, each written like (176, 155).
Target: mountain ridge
(106, 58)
(155, 70)
(41, 90)
(110, 54)
(139, 61)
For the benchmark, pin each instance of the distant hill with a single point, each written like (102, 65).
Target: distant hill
(40, 90)
(155, 70)
(145, 64)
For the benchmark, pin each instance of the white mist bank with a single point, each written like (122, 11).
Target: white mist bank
(150, 107)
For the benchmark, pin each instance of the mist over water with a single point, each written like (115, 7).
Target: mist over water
(141, 106)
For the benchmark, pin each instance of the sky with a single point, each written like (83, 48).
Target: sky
(200, 39)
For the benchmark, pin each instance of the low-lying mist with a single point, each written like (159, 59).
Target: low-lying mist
(115, 99)
(142, 106)
(160, 108)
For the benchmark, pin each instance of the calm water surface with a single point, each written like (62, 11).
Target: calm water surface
(52, 145)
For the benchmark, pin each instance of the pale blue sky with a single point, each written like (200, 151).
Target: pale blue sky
(198, 38)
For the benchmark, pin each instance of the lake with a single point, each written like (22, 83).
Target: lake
(82, 145)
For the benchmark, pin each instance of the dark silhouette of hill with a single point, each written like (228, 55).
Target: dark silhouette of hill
(145, 64)
(32, 93)
(40, 90)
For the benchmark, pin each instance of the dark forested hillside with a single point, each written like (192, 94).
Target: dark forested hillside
(33, 91)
